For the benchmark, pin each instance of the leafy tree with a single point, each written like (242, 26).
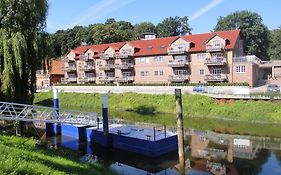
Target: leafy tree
(275, 45)
(112, 32)
(144, 27)
(173, 26)
(253, 32)
(21, 49)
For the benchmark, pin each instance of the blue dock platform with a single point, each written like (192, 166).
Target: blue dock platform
(145, 141)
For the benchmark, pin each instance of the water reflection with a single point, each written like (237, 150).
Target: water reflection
(206, 152)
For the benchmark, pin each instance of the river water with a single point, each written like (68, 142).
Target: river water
(206, 153)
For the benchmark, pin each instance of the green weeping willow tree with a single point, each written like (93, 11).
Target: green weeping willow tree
(22, 24)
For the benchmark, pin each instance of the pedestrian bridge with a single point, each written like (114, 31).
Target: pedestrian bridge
(31, 113)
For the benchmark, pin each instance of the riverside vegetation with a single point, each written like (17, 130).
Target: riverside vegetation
(26, 156)
(200, 112)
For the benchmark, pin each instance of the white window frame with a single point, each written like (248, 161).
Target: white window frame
(201, 72)
(201, 56)
(142, 60)
(156, 73)
(240, 69)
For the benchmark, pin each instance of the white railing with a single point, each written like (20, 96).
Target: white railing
(177, 49)
(211, 47)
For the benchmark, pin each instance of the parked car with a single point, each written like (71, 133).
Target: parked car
(273, 88)
(200, 88)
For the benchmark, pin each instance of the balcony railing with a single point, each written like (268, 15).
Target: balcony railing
(177, 50)
(86, 67)
(85, 57)
(124, 54)
(217, 61)
(124, 66)
(216, 77)
(178, 63)
(106, 79)
(86, 79)
(178, 78)
(69, 80)
(214, 48)
(106, 66)
(106, 56)
(69, 68)
(124, 79)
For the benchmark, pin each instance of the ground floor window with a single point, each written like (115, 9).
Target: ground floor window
(217, 71)
(240, 69)
(201, 72)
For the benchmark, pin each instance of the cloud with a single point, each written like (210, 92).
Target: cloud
(98, 10)
(205, 9)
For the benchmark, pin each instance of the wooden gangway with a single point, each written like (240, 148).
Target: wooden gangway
(32, 113)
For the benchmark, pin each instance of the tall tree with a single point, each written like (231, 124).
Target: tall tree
(253, 32)
(22, 23)
(112, 31)
(144, 27)
(275, 45)
(173, 26)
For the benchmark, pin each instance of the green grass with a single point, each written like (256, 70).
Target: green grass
(193, 105)
(200, 112)
(25, 156)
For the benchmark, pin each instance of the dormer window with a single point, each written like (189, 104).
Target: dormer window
(216, 43)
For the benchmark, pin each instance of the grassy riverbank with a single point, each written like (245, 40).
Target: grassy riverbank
(25, 156)
(259, 118)
(193, 105)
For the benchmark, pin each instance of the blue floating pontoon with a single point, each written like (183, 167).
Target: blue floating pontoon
(145, 141)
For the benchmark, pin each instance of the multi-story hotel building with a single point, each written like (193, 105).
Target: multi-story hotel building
(199, 58)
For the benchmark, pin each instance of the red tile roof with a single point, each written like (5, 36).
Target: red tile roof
(200, 39)
(56, 67)
(159, 46)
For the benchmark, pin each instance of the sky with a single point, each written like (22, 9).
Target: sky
(203, 14)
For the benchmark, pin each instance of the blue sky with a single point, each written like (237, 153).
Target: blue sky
(203, 14)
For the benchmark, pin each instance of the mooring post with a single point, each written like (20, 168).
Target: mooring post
(56, 109)
(180, 130)
(105, 114)
(20, 128)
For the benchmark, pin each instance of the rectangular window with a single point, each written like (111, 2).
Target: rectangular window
(147, 60)
(142, 60)
(201, 56)
(156, 59)
(201, 72)
(240, 69)
(161, 73)
(217, 71)
(161, 59)
(146, 73)
(142, 73)
(155, 73)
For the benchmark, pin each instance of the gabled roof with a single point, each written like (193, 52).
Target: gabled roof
(213, 37)
(156, 46)
(200, 39)
(56, 67)
(159, 46)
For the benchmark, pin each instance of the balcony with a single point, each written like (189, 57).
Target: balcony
(216, 61)
(106, 67)
(216, 77)
(214, 48)
(106, 79)
(124, 66)
(86, 79)
(124, 54)
(69, 68)
(178, 78)
(69, 80)
(174, 50)
(85, 57)
(125, 79)
(86, 67)
(106, 56)
(180, 63)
